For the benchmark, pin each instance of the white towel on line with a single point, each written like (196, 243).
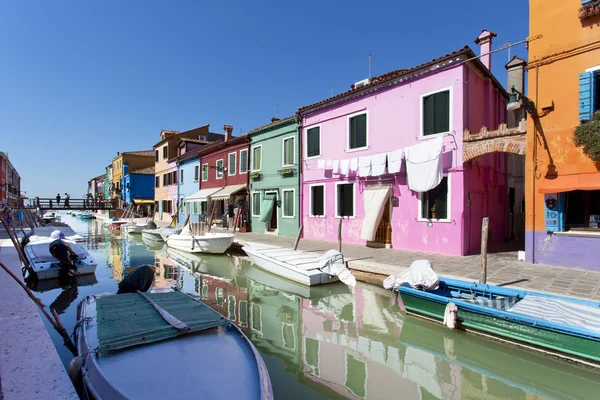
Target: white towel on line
(321, 164)
(344, 164)
(353, 164)
(378, 164)
(395, 161)
(364, 166)
(327, 163)
(336, 166)
(424, 165)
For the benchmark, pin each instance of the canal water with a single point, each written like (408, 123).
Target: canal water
(327, 342)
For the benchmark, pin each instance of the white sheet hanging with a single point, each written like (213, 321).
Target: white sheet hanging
(364, 166)
(395, 161)
(424, 165)
(378, 164)
(328, 164)
(321, 164)
(353, 165)
(344, 165)
(336, 166)
(374, 201)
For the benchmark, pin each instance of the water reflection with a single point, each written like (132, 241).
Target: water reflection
(330, 341)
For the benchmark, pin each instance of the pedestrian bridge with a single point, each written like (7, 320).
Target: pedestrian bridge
(73, 204)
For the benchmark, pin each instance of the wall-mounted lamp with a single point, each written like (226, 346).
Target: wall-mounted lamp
(518, 99)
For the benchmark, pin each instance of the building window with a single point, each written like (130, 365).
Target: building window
(232, 164)
(181, 206)
(313, 142)
(165, 152)
(256, 160)
(174, 177)
(204, 208)
(195, 207)
(582, 209)
(317, 201)
(164, 179)
(344, 200)
(435, 204)
(288, 152)
(181, 176)
(357, 131)
(436, 112)
(243, 161)
(219, 169)
(204, 172)
(256, 204)
(288, 203)
(196, 173)
(589, 95)
(157, 181)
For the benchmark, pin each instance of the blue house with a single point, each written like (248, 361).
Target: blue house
(138, 186)
(188, 173)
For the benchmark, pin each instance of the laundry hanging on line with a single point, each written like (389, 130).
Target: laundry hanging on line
(424, 165)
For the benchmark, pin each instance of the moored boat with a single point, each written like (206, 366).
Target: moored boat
(216, 243)
(165, 329)
(86, 215)
(558, 325)
(45, 264)
(51, 216)
(159, 234)
(134, 228)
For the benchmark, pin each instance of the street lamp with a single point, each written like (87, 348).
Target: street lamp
(518, 99)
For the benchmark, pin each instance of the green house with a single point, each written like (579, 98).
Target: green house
(275, 177)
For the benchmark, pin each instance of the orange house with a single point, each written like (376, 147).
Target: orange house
(562, 193)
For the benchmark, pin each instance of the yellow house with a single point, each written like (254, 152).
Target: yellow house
(135, 160)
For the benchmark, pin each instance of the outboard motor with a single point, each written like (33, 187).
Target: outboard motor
(64, 254)
(140, 279)
(151, 225)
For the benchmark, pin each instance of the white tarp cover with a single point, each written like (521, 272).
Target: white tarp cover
(424, 165)
(374, 199)
(228, 191)
(332, 263)
(419, 275)
(202, 195)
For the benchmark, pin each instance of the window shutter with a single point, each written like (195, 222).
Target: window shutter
(587, 83)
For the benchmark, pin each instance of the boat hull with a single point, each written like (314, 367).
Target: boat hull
(563, 345)
(154, 236)
(214, 244)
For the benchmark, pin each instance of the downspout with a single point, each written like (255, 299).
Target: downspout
(300, 186)
(535, 164)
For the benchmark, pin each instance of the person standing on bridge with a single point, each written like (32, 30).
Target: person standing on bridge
(67, 197)
(58, 200)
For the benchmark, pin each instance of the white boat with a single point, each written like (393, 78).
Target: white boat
(74, 238)
(46, 266)
(51, 216)
(216, 243)
(298, 266)
(159, 234)
(134, 227)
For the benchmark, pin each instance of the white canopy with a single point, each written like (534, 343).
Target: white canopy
(374, 199)
(202, 195)
(228, 191)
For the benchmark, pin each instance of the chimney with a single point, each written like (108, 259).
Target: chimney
(228, 131)
(118, 153)
(484, 40)
(275, 119)
(516, 77)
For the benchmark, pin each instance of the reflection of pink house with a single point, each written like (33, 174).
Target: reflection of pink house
(395, 111)
(225, 297)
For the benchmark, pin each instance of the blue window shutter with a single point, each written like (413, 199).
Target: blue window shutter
(585, 1)
(586, 95)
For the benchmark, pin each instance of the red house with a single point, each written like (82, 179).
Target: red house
(224, 180)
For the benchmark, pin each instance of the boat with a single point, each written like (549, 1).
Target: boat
(558, 325)
(86, 215)
(159, 234)
(134, 227)
(209, 242)
(298, 266)
(117, 334)
(45, 264)
(51, 216)
(116, 224)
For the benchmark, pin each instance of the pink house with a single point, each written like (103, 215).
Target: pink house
(382, 118)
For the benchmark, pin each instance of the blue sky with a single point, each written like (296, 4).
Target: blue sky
(81, 81)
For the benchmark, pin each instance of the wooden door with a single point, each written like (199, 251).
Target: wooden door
(384, 229)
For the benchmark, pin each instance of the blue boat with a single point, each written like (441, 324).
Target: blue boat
(86, 215)
(561, 326)
(165, 346)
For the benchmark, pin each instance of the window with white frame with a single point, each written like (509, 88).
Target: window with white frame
(436, 112)
(204, 208)
(165, 152)
(344, 193)
(288, 152)
(256, 204)
(357, 131)
(181, 176)
(243, 161)
(434, 204)
(196, 173)
(231, 167)
(317, 201)
(181, 206)
(313, 142)
(219, 169)
(204, 172)
(288, 203)
(256, 160)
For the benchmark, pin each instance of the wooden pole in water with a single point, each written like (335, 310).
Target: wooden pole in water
(484, 242)
(340, 235)
(298, 237)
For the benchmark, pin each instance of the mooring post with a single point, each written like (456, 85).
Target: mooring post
(298, 237)
(484, 242)
(340, 235)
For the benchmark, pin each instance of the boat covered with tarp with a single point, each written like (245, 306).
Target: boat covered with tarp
(165, 346)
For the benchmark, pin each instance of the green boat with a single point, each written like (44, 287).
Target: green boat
(561, 326)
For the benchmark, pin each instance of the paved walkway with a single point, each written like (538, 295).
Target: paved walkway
(503, 268)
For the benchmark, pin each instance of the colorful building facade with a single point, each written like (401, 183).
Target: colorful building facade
(138, 186)
(10, 182)
(136, 160)
(380, 119)
(562, 183)
(275, 177)
(188, 171)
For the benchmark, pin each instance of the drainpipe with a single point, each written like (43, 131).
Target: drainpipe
(300, 186)
(535, 162)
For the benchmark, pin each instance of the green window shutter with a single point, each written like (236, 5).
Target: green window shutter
(313, 142)
(288, 151)
(358, 131)
(288, 199)
(587, 98)
(442, 112)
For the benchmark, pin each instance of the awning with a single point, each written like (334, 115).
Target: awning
(202, 195)
(228, 191)
(142, 201)
(568, 183)
(374, 199)
(266, 208)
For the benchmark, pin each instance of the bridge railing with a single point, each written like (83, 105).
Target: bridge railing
(73, 204)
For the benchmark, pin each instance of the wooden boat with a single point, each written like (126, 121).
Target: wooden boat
(46, 266)
(116, 224)
(159, 234)
(216, 243)
(298, 266)
(562, 326)
(138, 359)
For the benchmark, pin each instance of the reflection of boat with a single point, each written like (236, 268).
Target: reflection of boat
(51, 284)
(216, 243)
(532, 373)
(46, 266)
(558, 325)
(152, 244)
(174, 329)
(203, 263)
(159, 234)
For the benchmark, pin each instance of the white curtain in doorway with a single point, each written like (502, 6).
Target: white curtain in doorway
(374, 200)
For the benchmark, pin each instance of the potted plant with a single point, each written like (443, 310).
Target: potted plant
(433, 212)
